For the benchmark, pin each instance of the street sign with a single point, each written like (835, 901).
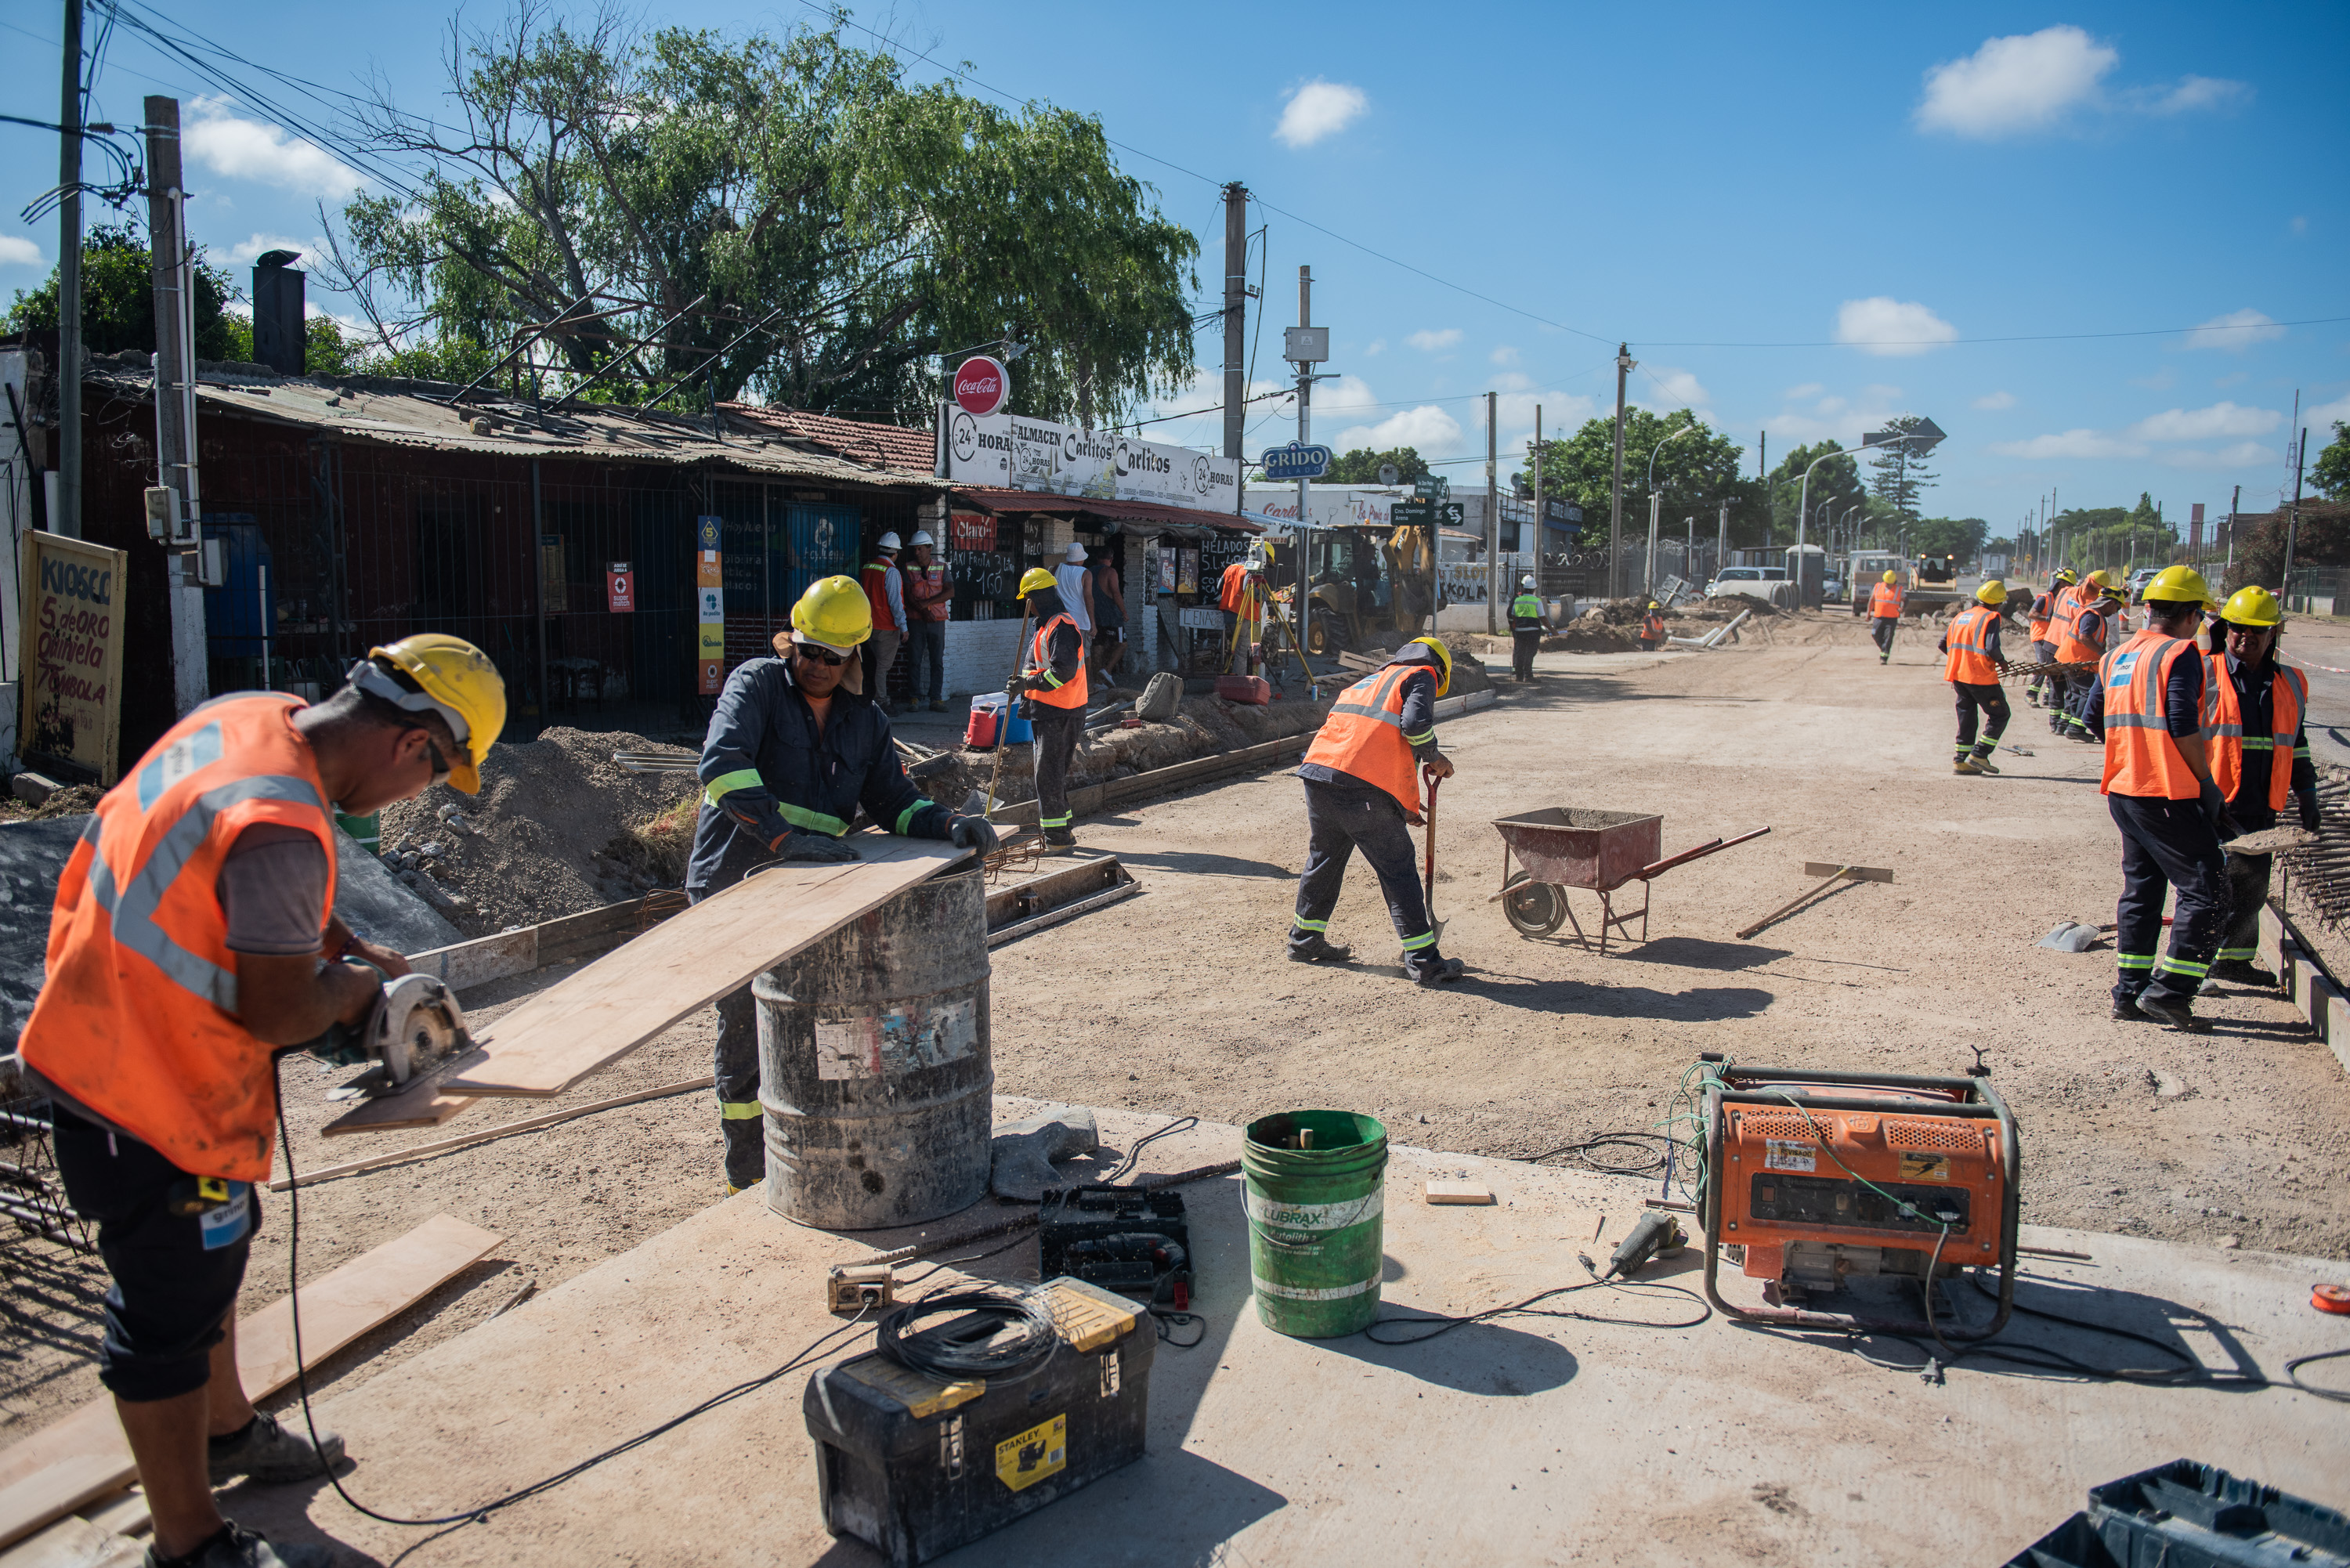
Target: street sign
(982, 384)
(1420, 514)
(1306, 344)
(1432, 487)
(1295, 461)
(1924, 437)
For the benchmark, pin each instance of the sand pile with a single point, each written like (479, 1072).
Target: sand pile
(547, 836)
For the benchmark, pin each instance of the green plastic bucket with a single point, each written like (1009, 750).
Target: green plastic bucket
(1315, 1220)
(366, 831)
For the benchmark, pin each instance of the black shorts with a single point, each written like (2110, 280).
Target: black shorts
(175, 1279)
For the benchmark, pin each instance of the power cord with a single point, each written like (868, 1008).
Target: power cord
(983, 1353)
(1180, 1123)
(1446, 1322)
(1651, 1161)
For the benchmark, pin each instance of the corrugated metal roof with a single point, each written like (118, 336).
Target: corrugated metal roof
(881, 445)
(399, 414)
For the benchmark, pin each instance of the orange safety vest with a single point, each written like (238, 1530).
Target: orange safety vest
(1969, 641)
(1652, 626)
(1885, 601)
(1070, 693)
(2223, 728)
(2069, 605)
(137, 1017)
(1234, 587)
(2044, 609)
(2141, 758)
(1363, 736)
(875, 579)
(2072, 648)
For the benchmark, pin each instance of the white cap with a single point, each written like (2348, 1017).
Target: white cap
(1076, 551)
(1525, 582)
(923, 537)
(887, 542)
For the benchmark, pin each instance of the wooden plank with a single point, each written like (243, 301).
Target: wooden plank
(55, 1490)
(504, 1129)
(1849, 872)
(1459, 1192)
(337, 1309)
(125, 1513)
(76, 1543)
(589, 1020)
(420, 1104)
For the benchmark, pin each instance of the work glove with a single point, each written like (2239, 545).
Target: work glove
(1018, 684)
(2214, 805)
(972, 832)
(811, 847)
(2308, 804)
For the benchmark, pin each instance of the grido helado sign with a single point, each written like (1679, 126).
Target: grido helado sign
(72, 659)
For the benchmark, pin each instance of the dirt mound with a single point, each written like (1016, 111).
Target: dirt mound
(1588, 635)
(1726, 607)
(548, 835)
(74, 800)
(1202, 727)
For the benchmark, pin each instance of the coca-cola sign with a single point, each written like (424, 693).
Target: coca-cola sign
(982, 385)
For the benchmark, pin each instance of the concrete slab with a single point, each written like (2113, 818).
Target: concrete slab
(1563, 1438)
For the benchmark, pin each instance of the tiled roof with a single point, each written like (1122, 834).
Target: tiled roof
(880, 445)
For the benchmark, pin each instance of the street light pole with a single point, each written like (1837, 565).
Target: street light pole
(1625, 366)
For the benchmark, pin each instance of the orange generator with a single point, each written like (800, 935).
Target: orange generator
(1820, 1178)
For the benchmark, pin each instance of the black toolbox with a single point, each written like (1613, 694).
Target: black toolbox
(1123, 1238)
(2190, 1515)
(915, 1466)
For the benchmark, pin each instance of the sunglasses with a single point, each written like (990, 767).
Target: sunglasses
(432, 749)
(816, 655)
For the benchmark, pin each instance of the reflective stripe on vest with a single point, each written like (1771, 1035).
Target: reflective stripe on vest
(2041, 612)
(875, 580)
(1970, 648)
(1885, 602)
(1363, 737)
(2077, 642)
(1055, 692)
(1527, 607)
(138, 1018)
(2141, 758)
(2223, 728)
(2068, 607)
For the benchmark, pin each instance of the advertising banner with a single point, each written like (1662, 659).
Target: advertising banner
(1013, 452)
(72, 654)
(621, 584)
(709, 573)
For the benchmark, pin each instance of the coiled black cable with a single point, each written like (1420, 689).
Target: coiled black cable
(987, 1351)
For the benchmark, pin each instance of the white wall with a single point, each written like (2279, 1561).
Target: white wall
(16, 482)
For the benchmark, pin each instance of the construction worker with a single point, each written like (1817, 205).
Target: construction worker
(886, 595)
(929, 596)
(2158, 784)
(790, 758)
(1972, 669)
(1077, 594)
(2253, 708)
(1652, 628)
(1362, 785)
(1052, 679)
(1884, 615)
(192, 938)
(2088, 632)
(2041, 624)
(2073, 685)
(1527, 624)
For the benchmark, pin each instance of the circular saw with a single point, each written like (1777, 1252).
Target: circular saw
(416, 1028)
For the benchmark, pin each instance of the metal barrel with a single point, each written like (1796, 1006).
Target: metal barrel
(874, 1063)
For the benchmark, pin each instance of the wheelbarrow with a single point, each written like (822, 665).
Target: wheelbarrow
(1564, 846)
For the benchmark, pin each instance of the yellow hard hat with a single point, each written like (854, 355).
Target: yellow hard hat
(1889, 576)
(1444, 658)
(1654, 605)
(2178, 584)
(1993, 592)
(450, 677)
(1035, 577)
(2252, 607)
(2102, 577)
(835, 613)
(2065, 575)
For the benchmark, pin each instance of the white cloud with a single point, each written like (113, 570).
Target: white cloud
(240, 149)
(15, 251)
(2192, 93)
(1428, 340)
(2243, 454)
(1883, 326)
(2204, 424)
(1678, 389)
(1379, 346)
(1319, 110)
(1994, 401)
(1808, 389)
(2161, 381)
(1505, 355)
(2020, 83)
(2235, 332)
(2321, 419)
(244, 253)
(2081, 443)
(1842, 417)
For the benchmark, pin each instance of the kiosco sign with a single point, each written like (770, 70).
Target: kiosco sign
(982, 385)
(72, 657)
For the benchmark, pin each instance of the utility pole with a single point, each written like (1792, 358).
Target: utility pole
(2235, 504)
(1655, 504)
(1304, 517)
(1624, 364)
(1492, 517)
(1535, 547)
(1721, 541)
(67, 518)
(180, 529)
(1235, 315)
(2292, 518)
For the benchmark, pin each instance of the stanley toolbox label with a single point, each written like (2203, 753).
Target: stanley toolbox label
(1042, 1451)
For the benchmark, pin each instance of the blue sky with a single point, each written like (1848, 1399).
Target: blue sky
(1802, 221)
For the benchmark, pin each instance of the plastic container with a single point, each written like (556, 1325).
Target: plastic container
(367, 832)
(1254, 689)
(1316, 1219)
(992, 715)
(2184, 1514)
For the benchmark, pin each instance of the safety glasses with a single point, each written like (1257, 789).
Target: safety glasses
(816, 655)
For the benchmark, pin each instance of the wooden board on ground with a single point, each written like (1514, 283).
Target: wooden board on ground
(505, 1130)
(587, 1020)
(59, 1469)
(420, 1104)
(1850, 873)
(75, 1543)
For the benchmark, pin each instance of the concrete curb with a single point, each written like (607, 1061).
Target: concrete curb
(2313, 993)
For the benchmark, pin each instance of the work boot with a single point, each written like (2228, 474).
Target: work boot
(1982, 764)
(746, 1151)
(237, 1547)
(2176, 1010)
(2126, 1010)
(267, 1452)
(938, 707)
(1059, 841)
(2243, 971)
(1313, 947)
(1429, 967)
(1964, 763)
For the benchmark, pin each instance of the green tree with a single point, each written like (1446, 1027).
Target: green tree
(1959, 537)
(1897, 473)
(325, 350)
(2114, 536)
(118, 299)
(1694, 472)
(1835, 490)
(2331, 473)
(855, 225)
(1361, 466)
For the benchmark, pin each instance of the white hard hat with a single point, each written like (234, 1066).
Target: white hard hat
(1525, 582)
(1076, 551)
(922, 537)
(887, 542)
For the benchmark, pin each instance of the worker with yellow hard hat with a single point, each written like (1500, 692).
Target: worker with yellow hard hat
(1971, 662)
(2099, 595)
(2149, 704)
(1652, 628)
(2041, 623)
(2253, 708)
(1362, 786)
(193, 936)
(1885, 615)
(790, 758)
(1052, 690)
